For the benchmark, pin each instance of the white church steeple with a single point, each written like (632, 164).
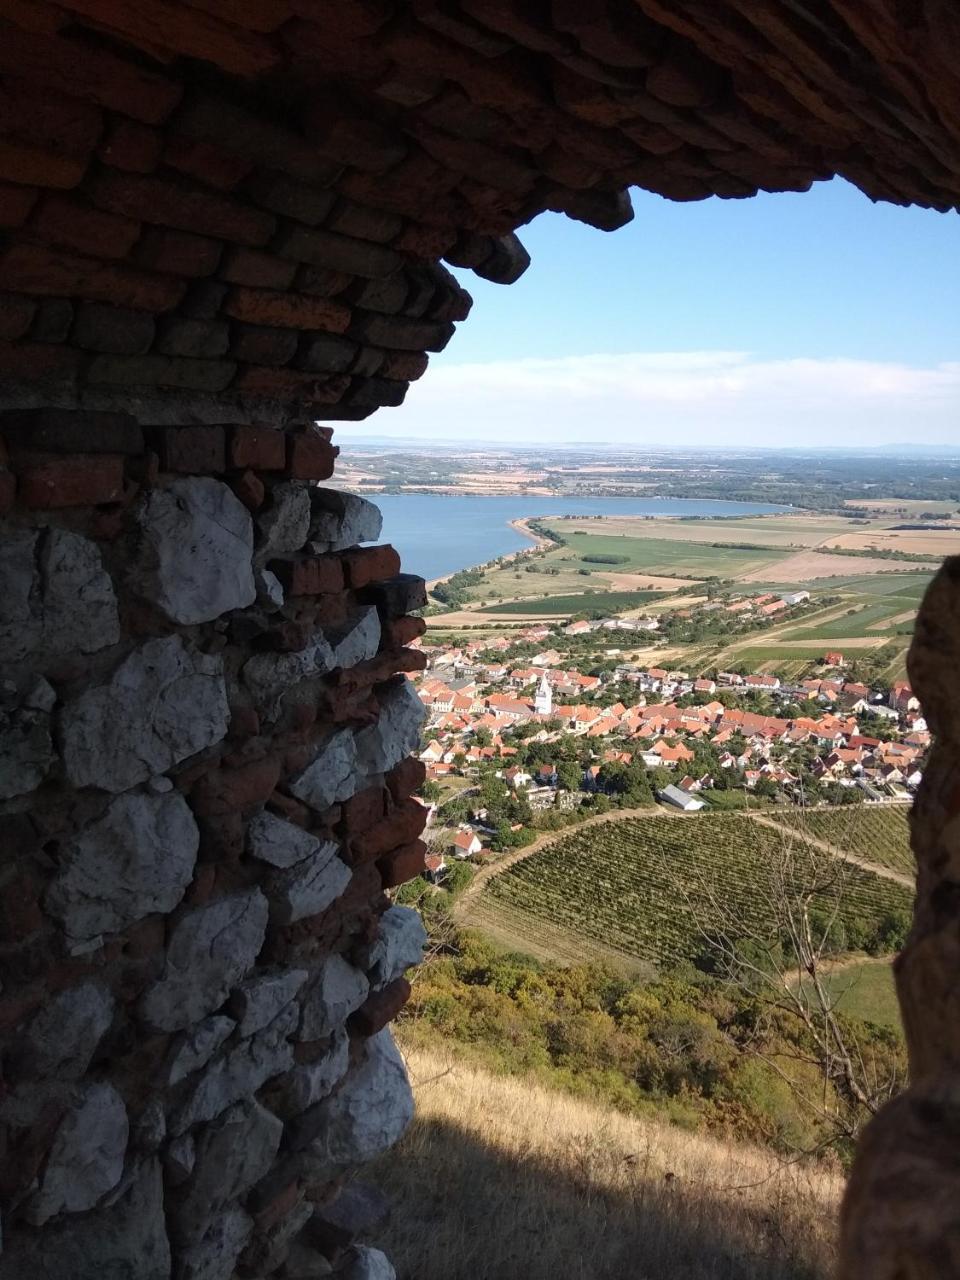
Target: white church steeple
(543, 703)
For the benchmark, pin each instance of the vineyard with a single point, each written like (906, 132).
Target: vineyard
(640, 887)
(879, 834)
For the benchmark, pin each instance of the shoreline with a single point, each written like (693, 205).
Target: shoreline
(519, 524)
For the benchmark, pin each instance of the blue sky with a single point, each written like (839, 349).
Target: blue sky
(816, 318)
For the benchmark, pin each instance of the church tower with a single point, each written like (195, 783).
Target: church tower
(543, 703)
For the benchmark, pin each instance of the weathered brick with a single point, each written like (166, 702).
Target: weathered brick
(257, 269)
(309, 575)
(400, 333)
(284, 195)
(174, 204)
(71, 224)
(262, 448)
(29, 361)
(48, 484)
(199, 339)
(429, 243)
(339, 253)
(368, 361)
(15, 204)
(376, 393)
(327, 353)
(83, 71)
(161, 371)
(381, 1007)
(211, 165)
(192, 450)
(363, 810)
(364, 222)
(402, 865)
(204, 300)
(286, 310)
(53, 320)
(249, 489)
(364, 565)
(403, 366)
(255, 344)
(387, 294)
(225, 124)
(37, 269)
(178, 252)
(131, 146)
(71, 431)
(402, 631)
(16, 314)
(225, 791)
(402, 825)
(397, 596)
(406, 777)
(38, 116)
(39, 166)
(114, 330)
(312, 389)
(322, 283)
(310, 457)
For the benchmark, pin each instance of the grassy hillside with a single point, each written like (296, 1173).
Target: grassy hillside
(502, 1179)
(879, 834)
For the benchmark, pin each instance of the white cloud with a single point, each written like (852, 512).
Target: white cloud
(682, 397)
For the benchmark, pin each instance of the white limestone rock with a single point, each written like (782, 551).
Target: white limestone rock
(332, 776)
(269, 590)
(308, 888)
(63, 1037)
(398, 946)
(124, 1239)
(55, 596)
(194, 557)
(281, 843)
(339, 520)
(369, 1264)
(211, 949)
(162, 704)
(268, 676)
(197, 1046)
(395, 734)
(364, 1118)
(338, 990)
(86, 1158)
(358, 641)
(284, 525)
(26, 747)
(232, 1154)
(310, 1082)
(241, 1071)
(215, 1256)
(136, 859)
(257, 1001)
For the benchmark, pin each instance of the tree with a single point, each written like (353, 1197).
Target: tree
(570, 775)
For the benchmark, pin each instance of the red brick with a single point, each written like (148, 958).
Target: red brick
(191, 450)
(15, 204)
(400, 827)
(310, 457)
(174, 204)
(16, 315)
(262, 448)
(425, 242)
(402, 631)
(8, 492)
(402, 865)
(72, 224)
(406, 777)
(381, 1007)
(291, 809)
(369, 564)
(161, 371)
(289, 383)
(37, 269)
(36, 166)
(83, 71)
(179, 252)
(321, 283)
(71, 431)
(228, 790)
(249, 489)
(286, 310)
(116, 330)
(309, 576)
(363, 810)
(34, 115)
(27, 361)
(212, 165)
(405, 366)
(132, 147)
(257, 269)
(71, 482)
(254, 344)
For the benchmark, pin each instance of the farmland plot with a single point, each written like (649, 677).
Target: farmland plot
(875, 833)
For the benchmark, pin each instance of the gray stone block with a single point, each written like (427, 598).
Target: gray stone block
(338, 991)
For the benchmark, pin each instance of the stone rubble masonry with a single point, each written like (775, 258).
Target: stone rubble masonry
(205, 794)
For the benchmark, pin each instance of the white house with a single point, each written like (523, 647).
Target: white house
(465, 844)
(680, 799)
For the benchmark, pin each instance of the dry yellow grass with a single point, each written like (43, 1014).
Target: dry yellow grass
(808, 565)
(500, 1179)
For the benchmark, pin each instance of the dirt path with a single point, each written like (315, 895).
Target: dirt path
(886, 873)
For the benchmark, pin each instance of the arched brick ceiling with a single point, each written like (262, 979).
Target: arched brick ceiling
(237, 208)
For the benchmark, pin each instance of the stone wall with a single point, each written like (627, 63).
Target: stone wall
(204, 793)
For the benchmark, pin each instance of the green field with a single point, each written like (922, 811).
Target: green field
(661, 555)
(865, 990)
(865, 620)
(909, 585)
(876, 833)
(624, 884)
(608, 601)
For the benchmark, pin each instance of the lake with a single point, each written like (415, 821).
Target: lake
(438, 533)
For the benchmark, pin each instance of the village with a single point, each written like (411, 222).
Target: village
(532, 731)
